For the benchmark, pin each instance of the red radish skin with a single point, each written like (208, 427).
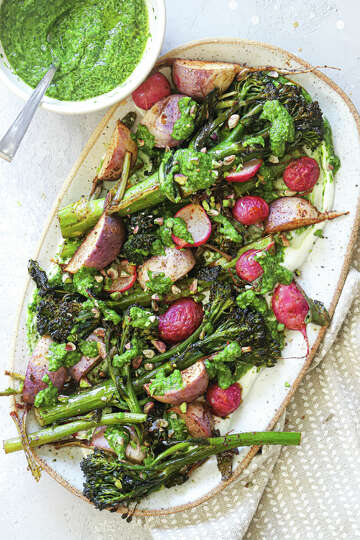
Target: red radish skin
(101, 246)
(289, 213)
(181, 320)
(291, 308)
(122, 283)
(198, 224)
(301, 174)
(247, 267)
(195, 382)
(250, 210)
(248, 171)
(38, 367)
(224, 401)
(160, 120)
(151, 91)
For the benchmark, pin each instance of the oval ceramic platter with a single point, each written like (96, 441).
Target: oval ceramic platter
(322, 275)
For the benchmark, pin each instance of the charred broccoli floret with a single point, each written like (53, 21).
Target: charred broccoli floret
(138, 247)
(141, 236)
(56, 316)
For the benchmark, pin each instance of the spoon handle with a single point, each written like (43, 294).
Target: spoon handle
(14, 135)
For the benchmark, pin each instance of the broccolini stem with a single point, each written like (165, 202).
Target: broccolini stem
(97, 397)
(199, 449)
(77, 218)
(60, 432)
(116, 194)
(143, 298)
(261, 243)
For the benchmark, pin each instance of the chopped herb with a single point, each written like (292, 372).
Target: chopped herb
(144, 139)
(48, 396)
(118, 439)
(274, 272)
(217, 366)
(162, 383)
(158, 282)
(141, 318)
(121, 360)
(282, 128)
(176, 428)
(59, 356)
(227, 229)
(84, 280)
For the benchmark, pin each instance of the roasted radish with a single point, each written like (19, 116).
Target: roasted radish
(197, 79)
(101, 246)
(37, 368)
(121, 277)
(301, 174)
(161, 118)
(121, 142)
(247, 267)
(291, 308)
(181, 319)
(195, 381)
(288, 213)
(224, 401)
(174, 264)
(250, 210)
(248, 171)
(198, 225)
(152, 90)
(198, 419)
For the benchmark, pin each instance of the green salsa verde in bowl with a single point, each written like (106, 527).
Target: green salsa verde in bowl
(103, 49)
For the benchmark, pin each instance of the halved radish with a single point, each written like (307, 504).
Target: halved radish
(124, 277)
(101, 246)
(198, 224)
(197, 79)
(248, 171)
(151, 90)
(288, 213)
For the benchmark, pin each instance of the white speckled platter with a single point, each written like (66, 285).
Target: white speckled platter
(322, 275)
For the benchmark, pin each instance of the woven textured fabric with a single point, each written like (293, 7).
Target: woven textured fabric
(309, 492)
(315, 493)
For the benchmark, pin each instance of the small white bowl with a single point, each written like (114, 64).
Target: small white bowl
(156, 13)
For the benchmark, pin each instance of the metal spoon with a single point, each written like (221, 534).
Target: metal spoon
(13, 137)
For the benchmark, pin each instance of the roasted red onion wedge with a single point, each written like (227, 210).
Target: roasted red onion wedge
(101, 246)
(288, 213)
(197, 79)
(121, 142)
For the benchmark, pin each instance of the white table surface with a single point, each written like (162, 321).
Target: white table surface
(320, 31)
